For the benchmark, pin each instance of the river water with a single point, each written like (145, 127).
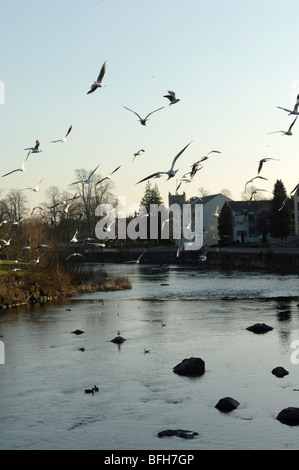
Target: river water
(43, 403)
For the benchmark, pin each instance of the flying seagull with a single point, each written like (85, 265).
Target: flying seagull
(207, 155)
(289, 131)
(87, 180)
(284, 202)
(98, 83)
(252, 179)
(143, 120)
(36, 148)
(36, 261)
(14, 270)
(35, 189)
(172, 98)
(74, 254)
(137, 261)
(255, 192)
(171, 173)
(37, 207)
(22, 168)
(138, 153)
(261, 162)
(67, 206)
(109, 176)
(203, 256)
(64, 139)
(295, 110)
(185, 180)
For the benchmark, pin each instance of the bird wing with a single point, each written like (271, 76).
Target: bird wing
(180, 153)
(154, 175)
(92, 89)
(102, 73)
(133, 112)
(68, 131)
(36, 145)
(115, 170)
(153, 112)
(285, 109)
(93, 171)
(260, 166)
(290, 128)
(172, 93)
(103, 179)
(6, 174)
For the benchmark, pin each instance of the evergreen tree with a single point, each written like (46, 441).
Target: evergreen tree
(226, 224)
(151, 196)
(281, 222)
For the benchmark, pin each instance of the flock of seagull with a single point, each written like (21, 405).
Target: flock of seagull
(187, 177)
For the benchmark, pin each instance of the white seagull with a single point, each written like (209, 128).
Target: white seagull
(98, 83)
(22, 168)
(74, 254)
(5, 242)
(203, 256)
(88, 179)
(143, 120)
(255, 192)
(261, 162)
(138, 153)
(216, 213)
(35, 189)
(36, 148)
(289, 195)
(289, 131)
(64, 139)
(74, 238)
(68, 204)
(295, 110)
(14, 270)
(137, 261)
(109, 176)
(36, 261)
(171, 173)
(27, 246)
(207, 155)
(35, 208)
(172, 98)
(252, 179)
(185, 180)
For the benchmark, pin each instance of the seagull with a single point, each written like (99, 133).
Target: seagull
(184, 245)
(98, 83)
(171, 173)
(252, 179)
(137, 261)
(216, 213)
(203, 256)
(74, 238)
(36, 148)
(102, 245)
(81, 214)
(138, 153)
(5, 242)
(42, 245)
(37, 207)
(261, 162)
(284, 202)
(254, 192)
(143, 120)
(185, 179)
(27, 246)
(35, 189)
(146, 351)
(74, 254)
(207, 155)
(64, 139)
(70, 201)
(109, 176)
(194, 169)
(36, 261)
(88, 180)
(289, 131)
(22, 168)
(295, 110)
(107, 227)
(171, 97)
(14, 270)
(52, 222)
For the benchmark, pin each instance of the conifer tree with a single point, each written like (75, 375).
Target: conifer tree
(226, 230)
(281, 222)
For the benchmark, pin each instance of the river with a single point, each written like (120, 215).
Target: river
(205, 314)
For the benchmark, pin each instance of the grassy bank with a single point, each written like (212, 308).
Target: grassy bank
(53, 281)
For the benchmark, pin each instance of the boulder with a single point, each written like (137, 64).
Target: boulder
(227, 404)
(289, 416)
(118, 340)
(178, 432)
(77, 332)
(259, 328)
(280, 372)
(193, 366)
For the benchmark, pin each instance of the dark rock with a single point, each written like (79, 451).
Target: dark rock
(118, 340)
(77, 332)
(178, 432)
(82, 349)
(227, 404)
(193, 366)
(289, 416)
(259, 328)
(280, 372)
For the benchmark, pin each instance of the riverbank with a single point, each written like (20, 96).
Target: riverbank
(272, 259)
(43, 286)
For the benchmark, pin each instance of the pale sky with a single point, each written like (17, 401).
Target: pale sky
(230, 62)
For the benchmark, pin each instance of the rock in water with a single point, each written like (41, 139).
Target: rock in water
(259, 328)
(77, 332)
(227, 404)
(118, 340)
(193, 366)
(280, 372)
(289, 416)
(178, 432)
